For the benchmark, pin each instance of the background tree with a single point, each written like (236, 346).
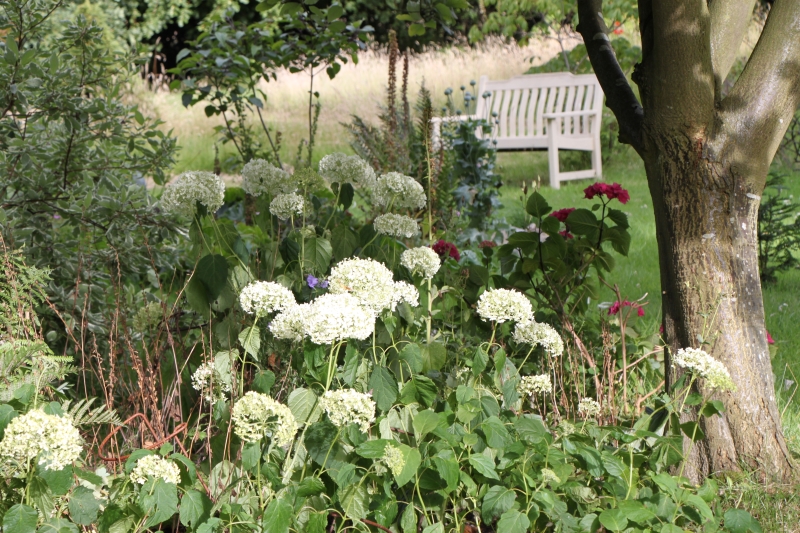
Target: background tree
(706, 154)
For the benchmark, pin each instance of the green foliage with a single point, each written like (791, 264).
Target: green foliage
(778, 231)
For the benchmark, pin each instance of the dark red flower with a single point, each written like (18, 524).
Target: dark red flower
(487, 244)
(562, 214)
(567, 235)
(640, 311)
(614, 309)
(446, 249)
(661, 329)
(770, 340)
(613, 191)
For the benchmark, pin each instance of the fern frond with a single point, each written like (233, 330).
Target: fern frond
(82, 413)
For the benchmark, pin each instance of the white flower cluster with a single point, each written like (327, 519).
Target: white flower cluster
(393, 457)
(422, 260)
(399, 191)
(530, 385)
(52, 438)
(260, 177)
(154, 467)
(290, 325)
(369, 281)
(533, 333)
(500, 305)
(405, 292)
(396, 225)
(181, 196)
(343, 168)
(265, 297)
(589, 408)
(704, 366)
(348, 406)
(207, 380)
(285, 206)
(257, 415)
(336, 317)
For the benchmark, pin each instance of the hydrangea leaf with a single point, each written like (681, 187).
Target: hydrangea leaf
(83, 506)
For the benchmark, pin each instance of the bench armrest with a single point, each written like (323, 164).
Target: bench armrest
(567, 114)
(456, 118)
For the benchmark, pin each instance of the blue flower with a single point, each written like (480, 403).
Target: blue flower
(312, 281)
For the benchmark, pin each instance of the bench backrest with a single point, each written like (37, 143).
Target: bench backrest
(521, 103)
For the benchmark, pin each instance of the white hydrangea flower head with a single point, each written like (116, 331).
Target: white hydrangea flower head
(405, 292)
(265, 297)
(500, 305)
(260, 177)
(530, 385)
(154, 467)
(399, 191)
(285, 206)
(207, 381)
(181, 196)
(533, 333)
(290, 324)
(422, 260)
(342, 168)
(394, 460)
(703, 365)
(336, 317)
(369, 281)
(348, 406)
(396, 225)
(54, 439)
(589, 408)
(252, 419)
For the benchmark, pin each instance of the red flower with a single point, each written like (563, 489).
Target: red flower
(446, 249)
(640, 311)
(567, 235)
(613, 191)
(614, 309)
(487, 244)
(770, 340)
(618, 28)
(562, 214)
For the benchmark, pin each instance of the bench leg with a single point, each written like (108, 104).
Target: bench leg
(597, 155)
(553, 127)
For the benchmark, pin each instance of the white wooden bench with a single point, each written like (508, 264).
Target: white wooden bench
(549, 112)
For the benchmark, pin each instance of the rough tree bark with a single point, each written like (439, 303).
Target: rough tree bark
(706, 155)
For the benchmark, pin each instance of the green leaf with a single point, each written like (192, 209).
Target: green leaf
(613, 519)
(531, 429)
(59, 481)
(317, 255)
(433, 356)
(334, 12)
(714, 407)
(319, 440)
(537, 206)
(412, 459)
(408, 521)
(620, 239)
(384, 388)
(310, 486)
(7, 413)
(278, 516)
(583, 222)
(197, 297)
(425, 422)
(448, 469)
(58, 525)
(411, 356)
(354, 500)
(484, 465)
(619, 218)
(437, 527)
(416, 29)
(512, 521)
(40, 495)
(372, 449)
(212, 271)
(250, 340)
(195, 508)
(83, 506)
(635, 511)
(693, 431)
(291, 8)
(498, 500)
(740, 521)
(263, 381)
(497, 436)
(20, 519)
(301, 403)
(344, 242)
(159, 500)
(479, 361)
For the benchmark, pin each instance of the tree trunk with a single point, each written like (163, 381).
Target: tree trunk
(706, 219)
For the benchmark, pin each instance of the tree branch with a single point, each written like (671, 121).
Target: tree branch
(757, 111)
(619, 94)
(729, 22)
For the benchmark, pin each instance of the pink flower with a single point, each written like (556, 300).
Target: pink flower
(614, 309)
(770, 340)
(562, 214)
(613, 191)
(640, 311)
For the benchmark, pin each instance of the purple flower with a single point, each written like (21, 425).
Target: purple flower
(323, 284)
(56, 216)
(312, 281)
